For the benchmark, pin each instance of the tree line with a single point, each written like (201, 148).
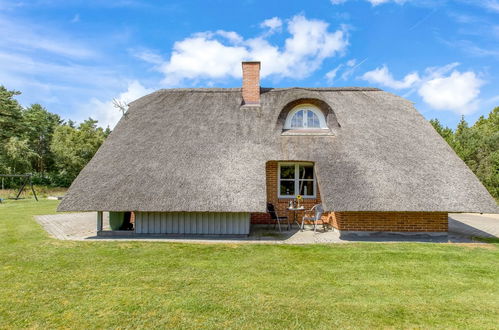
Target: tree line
(478, 147)
(34, 140)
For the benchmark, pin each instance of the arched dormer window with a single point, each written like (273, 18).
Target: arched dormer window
(305, 116)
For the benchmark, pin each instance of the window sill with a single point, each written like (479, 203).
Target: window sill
(293, 198)
(307, 132)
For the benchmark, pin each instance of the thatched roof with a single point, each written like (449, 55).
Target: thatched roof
(199, 150)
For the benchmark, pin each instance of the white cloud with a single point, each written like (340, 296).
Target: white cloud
(492, 5)
(442, 88)
(457, 92)
(383, 76)
(348, 69)
(20, 36)
(352, 62)
(51, 67)
(147, 56)
(231, 36)
(202, 57)
(337, 2)
(352, 66)
(439, 71)
(106, 113)
(372, 2)
(273, 24)
(218, 55)
(379, 2)
(331, 75)
(55, 84)
(68, 76)
(473, 49)
(33, 67)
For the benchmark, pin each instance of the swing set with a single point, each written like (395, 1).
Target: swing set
(25, 180)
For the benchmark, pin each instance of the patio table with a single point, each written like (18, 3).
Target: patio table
(294, 210)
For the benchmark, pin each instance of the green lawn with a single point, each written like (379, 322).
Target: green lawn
(46, 283)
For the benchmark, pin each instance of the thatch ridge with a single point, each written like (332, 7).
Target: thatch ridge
(266, 89)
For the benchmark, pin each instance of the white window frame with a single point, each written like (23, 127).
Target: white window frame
(306, 107)
(296, 179)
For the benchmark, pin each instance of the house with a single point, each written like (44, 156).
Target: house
(207, 161)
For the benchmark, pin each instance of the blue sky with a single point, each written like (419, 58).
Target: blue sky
(74, 57)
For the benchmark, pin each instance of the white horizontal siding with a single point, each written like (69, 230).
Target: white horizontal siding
(207, 223)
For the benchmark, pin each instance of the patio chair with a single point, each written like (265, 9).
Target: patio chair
(317, 210)
(275, 216)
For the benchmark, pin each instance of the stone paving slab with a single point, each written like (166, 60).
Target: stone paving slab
(82, 226)
(474, 224)
(71, 226)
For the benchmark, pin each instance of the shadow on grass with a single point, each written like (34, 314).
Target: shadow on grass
(493, 240)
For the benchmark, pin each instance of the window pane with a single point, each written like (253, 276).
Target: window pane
(307, 188)
(312, 120)
(297, 120)
(306, 171)
(287, 188)
(287, 171)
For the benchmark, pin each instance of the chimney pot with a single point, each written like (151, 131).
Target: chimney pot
(251, 83)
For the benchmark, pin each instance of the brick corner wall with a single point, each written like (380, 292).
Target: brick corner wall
(390, 221)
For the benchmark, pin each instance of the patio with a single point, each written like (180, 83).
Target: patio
(82, 226)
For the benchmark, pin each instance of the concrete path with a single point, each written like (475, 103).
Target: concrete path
(82, 226)
(473, 224)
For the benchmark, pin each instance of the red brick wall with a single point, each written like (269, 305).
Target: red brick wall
(390, 221)
(353, 221)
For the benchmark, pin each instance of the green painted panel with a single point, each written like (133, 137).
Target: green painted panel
(116, 220)
(192, 223)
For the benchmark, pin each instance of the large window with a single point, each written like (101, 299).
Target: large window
(296, 179)
(305, 116)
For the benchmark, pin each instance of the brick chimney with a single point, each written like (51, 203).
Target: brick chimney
(251, 83)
